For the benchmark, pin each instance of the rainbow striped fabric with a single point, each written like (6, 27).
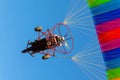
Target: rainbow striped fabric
(106, 15)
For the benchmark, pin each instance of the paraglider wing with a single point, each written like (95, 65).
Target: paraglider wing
(106, 15)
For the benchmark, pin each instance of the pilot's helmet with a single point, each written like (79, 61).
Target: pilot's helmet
(59, 38)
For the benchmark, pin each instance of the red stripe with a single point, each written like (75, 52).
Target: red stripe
(107, 26)
(109, 35)
(110, 45)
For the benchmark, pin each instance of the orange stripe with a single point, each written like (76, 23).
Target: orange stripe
(109, 35)
(115, 79)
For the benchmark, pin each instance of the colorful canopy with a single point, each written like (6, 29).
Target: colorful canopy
(106, 15)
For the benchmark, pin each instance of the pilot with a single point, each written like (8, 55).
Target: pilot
(51, 42)
(59, 40)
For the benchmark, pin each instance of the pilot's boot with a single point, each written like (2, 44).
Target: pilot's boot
(24, 51)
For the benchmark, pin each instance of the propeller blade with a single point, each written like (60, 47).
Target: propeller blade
(66, 44)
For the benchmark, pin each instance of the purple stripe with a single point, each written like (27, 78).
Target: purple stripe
(107, 26)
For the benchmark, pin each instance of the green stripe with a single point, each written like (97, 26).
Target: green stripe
(94, 3)
(113, 73)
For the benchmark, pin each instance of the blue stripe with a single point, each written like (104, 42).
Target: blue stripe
(99, 19)
(115, 63)
(112, 54)
(112, 5)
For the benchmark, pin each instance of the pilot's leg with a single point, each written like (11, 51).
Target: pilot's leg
(30, 43)
(31, 54)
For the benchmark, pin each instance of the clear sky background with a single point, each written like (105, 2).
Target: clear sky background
(17, 21)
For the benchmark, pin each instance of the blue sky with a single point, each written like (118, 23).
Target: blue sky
(17, 21)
